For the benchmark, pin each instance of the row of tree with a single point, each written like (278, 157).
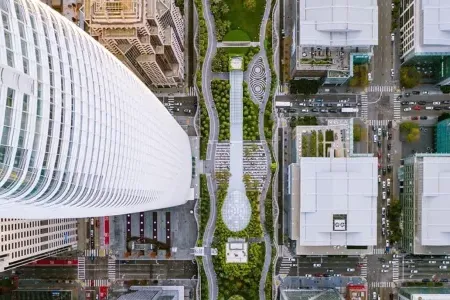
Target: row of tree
(220, 9)
(221, 60)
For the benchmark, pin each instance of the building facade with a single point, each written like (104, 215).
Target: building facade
(443, 137)
(81, 134)
(68, 8)
(23, 241)
(146, 35)
(425, 209)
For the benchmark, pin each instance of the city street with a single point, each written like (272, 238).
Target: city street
(47, 272)
(416, 268)
(302, 266)
(152, 269)
(382, 60)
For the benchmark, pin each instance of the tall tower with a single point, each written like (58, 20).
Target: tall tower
(147, 35)
(81, 135)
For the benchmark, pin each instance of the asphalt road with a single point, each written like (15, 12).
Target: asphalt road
(97, 269)
(379, 281)
(302, 266)
(382, 61)
(32, 272)
(180, 104)
(152, 269)
(425, 270)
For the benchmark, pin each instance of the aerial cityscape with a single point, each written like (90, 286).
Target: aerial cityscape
(225, 149)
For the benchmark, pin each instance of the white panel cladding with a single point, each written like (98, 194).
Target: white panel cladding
(90, 139)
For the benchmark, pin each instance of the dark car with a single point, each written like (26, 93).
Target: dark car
(384, 171)
(326, 275)
(388, 191)
(421, 102)
(332, 111)
(425, 280)
(315, 110)
(404, 103)
(374, 128)
(379, 144)
(347, 105)
(437, 108)
(416, 92)
(390, 136)
(443, 280)
(389, 168)
(423, 117)
(329, 105)
(389, 146)
(310, 104)
(446, 102)
(390, 124)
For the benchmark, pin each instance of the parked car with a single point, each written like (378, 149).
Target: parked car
(429, 107)
(423, 117)
(437, 108)
(436, 103)
(421, 102)
(350, 269)
(317, 265)
(388, 181)
(414, 271)
(417, 107)
(407, 109)
(383, 211)
(305, 110)
(443, 267)
(432, 262)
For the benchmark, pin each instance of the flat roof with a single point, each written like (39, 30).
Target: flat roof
(436, 27)
(338, 22)
(338, 201)
(435, 201)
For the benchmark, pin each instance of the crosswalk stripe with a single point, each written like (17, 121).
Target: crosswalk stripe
(81, 268)
(379, 250)
(395, 269)
(97, 282)
(285, 266)
(364, 106)
(91, 252)
(378, 123)
(383, 284)
(397, 107)
(364, 267)
(381, 88)
(111, 269)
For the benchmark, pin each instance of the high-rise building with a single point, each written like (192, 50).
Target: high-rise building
(81, 135)
(147, 35)
(425, 205)
(69, 9)
(330, 36)
(23, 241)
(443, 136)
(425, 38)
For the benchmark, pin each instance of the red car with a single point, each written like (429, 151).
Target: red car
(417, 107)
(379, 155)
(414, 118)
(379, 166)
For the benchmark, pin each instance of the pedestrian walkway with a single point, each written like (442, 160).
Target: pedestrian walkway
(378, 122)
(111, 269)
(91, 252)
(395, 269)
(97, 282)
(192, 92)
(285, 266)
(81, 268)
(364, 106)
(383, 284)
(397, 107)
(379, 251)
(381, 88)
(280, 90)
(364, 267)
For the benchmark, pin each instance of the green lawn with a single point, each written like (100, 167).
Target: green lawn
(236, 36)
(245, 19)
(240, 51)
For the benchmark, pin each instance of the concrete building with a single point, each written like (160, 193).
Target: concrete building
(330, 36)
(81, 135)
(23, 241)
(146, 35)
(425, 38)
(426, 226)
(423, 293)
(68, 8)
(443, 137)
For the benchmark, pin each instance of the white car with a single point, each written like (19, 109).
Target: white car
(384, 184)
(429, 107)
(379, 131)
(302, 104)
(383, 211)
(432, 262)
(379, 178)
(392, 37)
(384, 271)
(369, 76)
(350, 270)
(305, 110)
(442, 267)
(387, 243)
(375, 138)
(385, 266)
(388, 181)
(383, 221)
(92, 221)
(384, 195)
(374, 295)
(392, 70)
(407, 109)
(414, 271)
(446, 262)
(308, 275)
(412, 103)
(447, 257)
(387, 223)
(388, 201)
(339, 105)
(437, 103)
(317, 265)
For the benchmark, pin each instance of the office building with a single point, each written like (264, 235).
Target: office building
(424, 293)
(146, 35)
(81, 135)
(69, 9)
(23, 241)
(425, 205)
(443, 136)
(425, 38)
(330, 36)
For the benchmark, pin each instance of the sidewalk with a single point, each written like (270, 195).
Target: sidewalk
(82, 234)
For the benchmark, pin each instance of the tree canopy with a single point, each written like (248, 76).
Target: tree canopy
(304, 86)
(409, 77)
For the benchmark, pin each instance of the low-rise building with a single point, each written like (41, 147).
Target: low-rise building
(425, 205)
(424, 293)
(329, 36)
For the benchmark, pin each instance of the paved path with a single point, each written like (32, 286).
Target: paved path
(221, 76)
(237, 44)
(213, 136)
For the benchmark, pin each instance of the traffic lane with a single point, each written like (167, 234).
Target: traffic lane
(326, 259)
(298, 113)
(351, 98)
(425, 97)
(173, 269)
(48, 273)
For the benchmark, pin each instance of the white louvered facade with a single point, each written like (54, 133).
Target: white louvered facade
(81, 134)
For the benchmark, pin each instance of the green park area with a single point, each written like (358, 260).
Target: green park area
(316, 143)
(237, 20)
(221, 60)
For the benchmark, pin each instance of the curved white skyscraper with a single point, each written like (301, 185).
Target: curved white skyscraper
(81, 135)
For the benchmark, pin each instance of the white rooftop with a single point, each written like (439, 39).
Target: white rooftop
(338, 23)
(435, 24)
(331, 188)
(436, 201)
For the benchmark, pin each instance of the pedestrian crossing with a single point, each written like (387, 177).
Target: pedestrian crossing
(395, 269)
(111, 269)
(364, 106)
(381, 88)
(285, 266)
(91, 252)
(364, 267)
(377, 123)
(81, 268)
(97, 282)
(379, 251)
(192, 92)
(383, 284)
(397, 107)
